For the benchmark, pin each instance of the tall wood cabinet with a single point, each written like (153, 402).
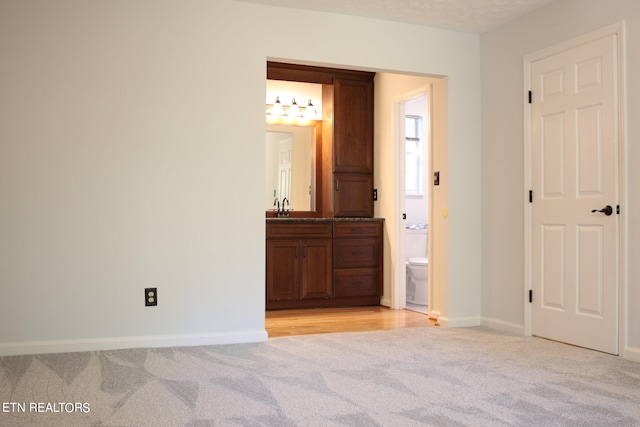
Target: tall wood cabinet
(353, 147)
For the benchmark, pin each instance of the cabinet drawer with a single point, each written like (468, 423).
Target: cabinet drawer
(299, 231)
(357, 229)
(356, 253)
(357, 282)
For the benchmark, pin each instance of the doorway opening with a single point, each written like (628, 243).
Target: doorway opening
(413, 149)
(394, 93)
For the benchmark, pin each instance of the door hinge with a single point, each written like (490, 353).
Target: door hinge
(530, 97)
(530, 196)
(530, 295)
(618, 210)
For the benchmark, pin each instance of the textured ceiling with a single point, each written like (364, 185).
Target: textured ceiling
(471, 16)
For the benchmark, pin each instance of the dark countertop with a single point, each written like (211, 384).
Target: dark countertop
(350, 219)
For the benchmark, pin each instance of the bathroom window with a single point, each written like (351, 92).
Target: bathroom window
(413, 160)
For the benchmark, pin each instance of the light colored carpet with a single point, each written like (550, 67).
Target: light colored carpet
(402, 377)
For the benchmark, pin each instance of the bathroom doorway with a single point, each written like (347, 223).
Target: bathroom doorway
(413, 136)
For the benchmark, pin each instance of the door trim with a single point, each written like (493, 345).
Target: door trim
(621, 145)
(399, 288)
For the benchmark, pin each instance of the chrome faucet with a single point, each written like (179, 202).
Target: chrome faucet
(277, 202)
(284, 212)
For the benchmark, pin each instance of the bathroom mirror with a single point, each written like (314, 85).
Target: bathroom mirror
(293, 171)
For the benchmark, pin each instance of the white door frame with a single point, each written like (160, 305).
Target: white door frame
(621, 143)
(399, 286)
(399, 289)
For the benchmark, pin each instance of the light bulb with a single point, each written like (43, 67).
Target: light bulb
(310, 112)
(277, 107)
(294, 111)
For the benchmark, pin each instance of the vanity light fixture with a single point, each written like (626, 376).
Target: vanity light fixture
(292, 111)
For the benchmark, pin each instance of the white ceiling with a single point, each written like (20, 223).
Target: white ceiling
(471, 16)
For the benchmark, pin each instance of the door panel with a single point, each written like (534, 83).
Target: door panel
(553, 262)
(316, 269)
(283, 274)
(353, 195)
(353, 126)
(589, 270)
(553, 148)
(574, 172)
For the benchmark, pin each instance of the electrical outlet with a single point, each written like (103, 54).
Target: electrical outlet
(150, 297)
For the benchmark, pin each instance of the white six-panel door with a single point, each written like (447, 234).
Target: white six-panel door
(574, 170)
(284, 170)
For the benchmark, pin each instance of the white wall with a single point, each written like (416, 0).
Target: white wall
(132, 155)
(502, 52)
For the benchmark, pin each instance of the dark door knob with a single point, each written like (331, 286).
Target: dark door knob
(607, 210)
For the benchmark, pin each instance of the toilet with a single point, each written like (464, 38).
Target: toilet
(417, 266)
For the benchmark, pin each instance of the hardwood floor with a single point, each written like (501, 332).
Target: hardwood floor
(284, 323)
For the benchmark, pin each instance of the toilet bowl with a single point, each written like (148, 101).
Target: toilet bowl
(417, 281)
(417, 265)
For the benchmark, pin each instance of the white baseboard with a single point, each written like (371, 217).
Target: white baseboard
(631, 353)
(503, 326)
(459, 322)
(186, 340)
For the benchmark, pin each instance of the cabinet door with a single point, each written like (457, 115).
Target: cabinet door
(353, 195)
(283, 270)
(316, 264)
(353, 126)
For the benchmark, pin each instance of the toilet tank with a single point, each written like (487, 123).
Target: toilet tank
(416, 243)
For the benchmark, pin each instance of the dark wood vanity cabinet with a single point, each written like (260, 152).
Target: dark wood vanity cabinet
(323, 263)
(299, 264)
